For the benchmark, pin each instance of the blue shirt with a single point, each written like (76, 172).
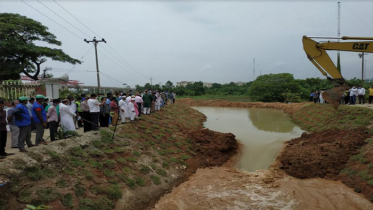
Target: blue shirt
(36, 106)
(23, 112)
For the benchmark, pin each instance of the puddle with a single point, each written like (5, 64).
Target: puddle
(261, 132)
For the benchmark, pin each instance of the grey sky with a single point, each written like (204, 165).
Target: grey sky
(211, 41)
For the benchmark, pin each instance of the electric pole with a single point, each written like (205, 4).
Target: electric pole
(95, 42)
(254, 69)
(151, 81)
(361, 55)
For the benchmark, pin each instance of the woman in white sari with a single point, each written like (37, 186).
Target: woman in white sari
(67, 116)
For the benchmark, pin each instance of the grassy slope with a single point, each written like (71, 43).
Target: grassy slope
(139, 159)
(358, 172)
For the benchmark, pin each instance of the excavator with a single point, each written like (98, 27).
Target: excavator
(316, 53)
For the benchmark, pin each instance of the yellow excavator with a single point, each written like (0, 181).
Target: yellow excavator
(316, 53)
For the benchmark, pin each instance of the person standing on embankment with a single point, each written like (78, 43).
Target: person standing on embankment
(40, 118)
(23, 121)
(370, 94)
(12, 124)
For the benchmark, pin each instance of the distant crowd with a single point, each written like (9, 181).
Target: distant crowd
(27, 115)
(349, 97)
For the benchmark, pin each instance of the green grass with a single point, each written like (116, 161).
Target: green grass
(127, 170)
(107, 150)
(77, 162)
(140, 181)
(365, 175)
(131, 183)
(359, 157)
(61, 183)
(184, 157)
(166, 165)
(131, 159)
(45, 195)
(113, 191)
(95, 164)
(68, 170)
(34, 173)
(121, 160)
(109, 173)
(79, 189)
(118, 150)
(67, 200)
(110, 164)
(101, 203)
(156, 180)
(161, 172)
(136, 153)
(144, 169)
(78, 151)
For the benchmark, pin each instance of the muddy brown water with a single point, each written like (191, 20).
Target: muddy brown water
(260, 131)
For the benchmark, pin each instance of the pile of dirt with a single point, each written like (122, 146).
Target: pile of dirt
(214, 147)
(287, 108)
(321, 154)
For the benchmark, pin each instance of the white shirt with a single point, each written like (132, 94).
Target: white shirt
(353, 92)
(93, 105)
(138, 99)
(72, 106)
(361, 91)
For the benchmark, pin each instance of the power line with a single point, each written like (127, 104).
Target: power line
(51, 19)
(63, 18)
(111, 78)
(123, 60)
(75, 18)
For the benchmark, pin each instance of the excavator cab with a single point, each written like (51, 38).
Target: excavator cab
(316, 53)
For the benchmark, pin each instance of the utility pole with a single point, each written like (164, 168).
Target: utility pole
(95, 42)
(254, 69)
(361, 55)
(151, 81)
(339, 35)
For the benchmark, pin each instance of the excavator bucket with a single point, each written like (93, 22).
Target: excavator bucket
(333, 96)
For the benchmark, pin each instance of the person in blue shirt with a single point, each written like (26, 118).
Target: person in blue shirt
(23, 122)
(40, 118)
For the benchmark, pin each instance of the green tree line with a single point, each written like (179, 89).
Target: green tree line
(267, 88)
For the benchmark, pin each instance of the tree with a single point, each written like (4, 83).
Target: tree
(273, 87)
(18, 51)
(169, 85)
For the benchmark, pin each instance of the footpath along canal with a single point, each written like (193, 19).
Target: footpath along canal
(252, 179)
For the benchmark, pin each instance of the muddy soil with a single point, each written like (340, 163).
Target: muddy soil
(288, 108)
(321, 154)
(228, 188)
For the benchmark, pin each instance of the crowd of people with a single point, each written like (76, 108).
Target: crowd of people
(27, 115)
(349, 97)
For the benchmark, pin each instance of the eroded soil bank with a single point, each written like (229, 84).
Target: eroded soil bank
(94, 172)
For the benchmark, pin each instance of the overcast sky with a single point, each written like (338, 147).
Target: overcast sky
(210, 41)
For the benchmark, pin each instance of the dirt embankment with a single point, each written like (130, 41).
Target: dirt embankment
(321, 154)
(339, 147)
(94, 172)
(288, 108)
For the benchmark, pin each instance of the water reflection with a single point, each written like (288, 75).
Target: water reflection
(272, 121)
(261, 131)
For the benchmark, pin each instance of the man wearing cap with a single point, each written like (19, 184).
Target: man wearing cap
(29, 106)
(23, 121)
(40, 118)
(12, 124)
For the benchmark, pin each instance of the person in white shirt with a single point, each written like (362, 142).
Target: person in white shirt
(320, 97)
(361, 95)
(353, 93)
(158, 100)
(66, 115)
(123, 109)
(94, 109)
(72, 106)
(132, 109)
